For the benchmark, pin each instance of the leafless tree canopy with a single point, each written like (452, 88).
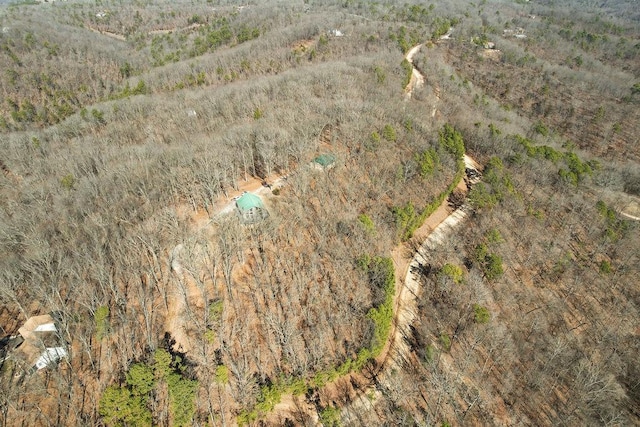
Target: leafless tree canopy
(127, 129)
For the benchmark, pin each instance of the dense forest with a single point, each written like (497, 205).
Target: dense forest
(129, 130)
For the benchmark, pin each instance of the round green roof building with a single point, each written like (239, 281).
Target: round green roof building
(250, 208)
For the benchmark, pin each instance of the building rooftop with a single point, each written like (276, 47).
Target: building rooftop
(325, 160)
(248, 201)
(41, 344)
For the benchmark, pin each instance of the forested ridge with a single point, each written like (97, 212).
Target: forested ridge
(126, 128)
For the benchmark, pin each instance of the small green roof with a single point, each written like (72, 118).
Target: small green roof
(248, 201)
(325, 160)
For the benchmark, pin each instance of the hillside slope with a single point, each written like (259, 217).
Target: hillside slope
(125, 128)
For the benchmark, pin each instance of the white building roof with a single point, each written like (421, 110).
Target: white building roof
(50, 355)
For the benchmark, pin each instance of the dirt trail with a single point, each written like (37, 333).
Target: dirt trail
(108, 34)
(193, 26)
(184, 291)
(629, 206)
(417, 78)
(434, 231)
(177, 299)
(123, 38)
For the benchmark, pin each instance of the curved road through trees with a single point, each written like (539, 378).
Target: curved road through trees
(435, 230)
(408, 281)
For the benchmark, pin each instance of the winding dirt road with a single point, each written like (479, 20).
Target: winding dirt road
(434, 232)
(406, 310)
(417, 79)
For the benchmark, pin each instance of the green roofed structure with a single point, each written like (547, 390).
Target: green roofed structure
(324, 161)
(250, 208)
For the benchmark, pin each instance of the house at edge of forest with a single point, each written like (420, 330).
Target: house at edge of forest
(37, 345)
(324, 161)
(250, 208)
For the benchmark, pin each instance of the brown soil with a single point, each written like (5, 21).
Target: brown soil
(303, 45)
(184, 290)
(492, 54)
(174, 29)
(109, 34)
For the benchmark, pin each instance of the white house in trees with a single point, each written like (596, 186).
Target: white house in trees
(37, 345)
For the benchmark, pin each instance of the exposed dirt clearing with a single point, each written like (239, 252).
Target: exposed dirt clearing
(184, 293)
(174, 29)
(417, 79)
(109, 34)
(492, 54)
(629, 206)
